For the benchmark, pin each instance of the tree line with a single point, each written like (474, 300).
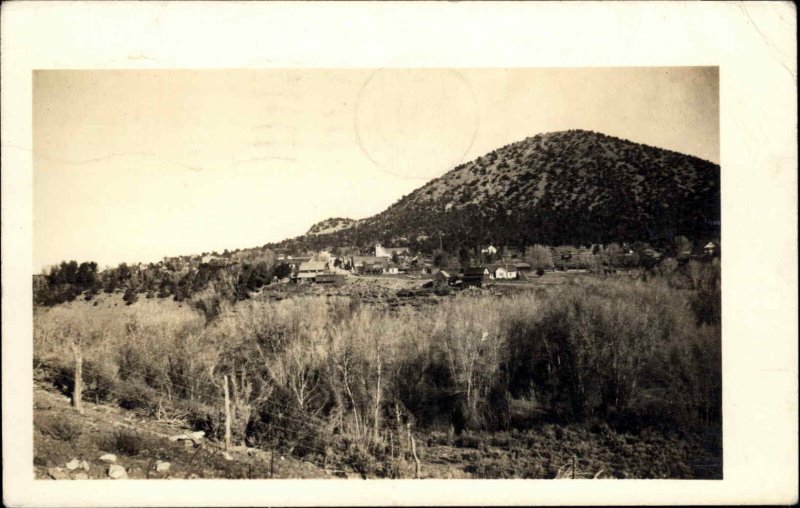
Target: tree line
(69, 280)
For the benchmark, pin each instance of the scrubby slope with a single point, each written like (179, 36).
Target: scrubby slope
(564, 187)
(330, 226)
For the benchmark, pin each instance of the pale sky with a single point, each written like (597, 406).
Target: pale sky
(136, 165)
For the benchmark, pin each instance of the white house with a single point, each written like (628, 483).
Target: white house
(505, 272)
(387, 252)
(391, 269)
(489, 250)
(324, 255)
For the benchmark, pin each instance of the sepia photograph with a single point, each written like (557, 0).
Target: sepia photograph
(399, 253)
(378, 273)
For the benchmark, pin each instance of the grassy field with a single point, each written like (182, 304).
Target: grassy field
(569, 374)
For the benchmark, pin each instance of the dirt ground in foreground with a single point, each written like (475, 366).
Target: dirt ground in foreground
(545, 451)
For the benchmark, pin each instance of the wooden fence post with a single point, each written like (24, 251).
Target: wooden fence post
(414, 452)
(227, 416)
(77, 391)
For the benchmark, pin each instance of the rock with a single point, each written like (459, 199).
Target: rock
(80, 475)
(162, 467)
(197, 437)
(85, 466)
(116, 472)
(109, 458)
(227, 456)
(73, 464)
(188, 443)
(177, 438)
(57, 473)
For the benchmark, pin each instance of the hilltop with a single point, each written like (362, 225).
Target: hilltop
(570, 187)
(330, 226)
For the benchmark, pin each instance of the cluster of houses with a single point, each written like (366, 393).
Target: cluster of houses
(325, 267)
(478, 275)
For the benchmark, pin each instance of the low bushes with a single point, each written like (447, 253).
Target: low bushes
(136, 397)
(63, 429)
(125, 442)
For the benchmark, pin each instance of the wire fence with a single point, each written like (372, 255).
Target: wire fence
(276, 412)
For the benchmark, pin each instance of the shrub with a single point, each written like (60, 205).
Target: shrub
(130, 297)
(361, 460)
(396, 468)
(63, 429)
(135, 397)
(60, 375)
(99, 382)
(467, 440)
(540, 258)
(205, 418)
(125, 442)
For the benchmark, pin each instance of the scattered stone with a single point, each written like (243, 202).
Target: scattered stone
(188, 443)
(80, 475)
(162, 467)
(85, 466)
(197, 437)
(109, 458)
(57, 473)
(116, 472)
(73, 464)
(227, 456)
(177, 438)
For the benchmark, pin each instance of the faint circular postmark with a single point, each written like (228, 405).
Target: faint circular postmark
(416, 123)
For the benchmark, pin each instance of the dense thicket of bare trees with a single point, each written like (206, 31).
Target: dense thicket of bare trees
(315, 371)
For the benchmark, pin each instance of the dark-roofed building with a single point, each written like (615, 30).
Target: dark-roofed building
(329, 278)
(475, 276)
(522, 267)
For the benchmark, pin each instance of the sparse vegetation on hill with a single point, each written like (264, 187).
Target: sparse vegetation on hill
(330, 226)
(573, 187)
